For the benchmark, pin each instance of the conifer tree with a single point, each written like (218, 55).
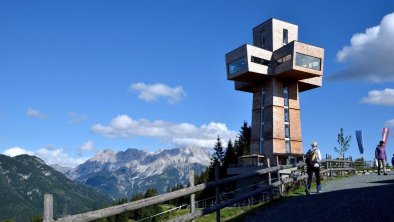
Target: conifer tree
(242, 145)
(224, 158)
(230, 156)
(151, 210)
(150, 192)
(136, 214)
(218, 155)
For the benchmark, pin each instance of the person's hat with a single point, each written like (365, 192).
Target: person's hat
(314, 144)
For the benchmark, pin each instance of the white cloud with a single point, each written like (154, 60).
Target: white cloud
(370, 54)
(58, 156)
(179, 134)
(15, 151)
(50, 154)
(150, 93)
(389, 123)
(88, 146)
(35, 113)
(380, 97)
(76, 118)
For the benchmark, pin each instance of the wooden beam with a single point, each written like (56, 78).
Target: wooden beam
(48, 208)
(192, 196)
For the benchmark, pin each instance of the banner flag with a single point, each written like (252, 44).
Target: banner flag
(385, 134)
(359, 136)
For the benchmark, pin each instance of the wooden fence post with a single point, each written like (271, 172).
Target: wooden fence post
(327, 167)
(217, 191)
(269, 179)
(279, 179)
(341, 165)
(192, 196)
(48, 208)
(269, 174)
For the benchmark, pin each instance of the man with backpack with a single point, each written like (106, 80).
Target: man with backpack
(312, 160)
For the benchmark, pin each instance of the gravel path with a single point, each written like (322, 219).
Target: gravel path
(357, 198)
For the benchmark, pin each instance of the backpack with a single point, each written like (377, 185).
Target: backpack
(310, 158)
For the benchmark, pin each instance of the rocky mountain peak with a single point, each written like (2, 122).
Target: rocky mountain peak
(126, 172)
(104, 156)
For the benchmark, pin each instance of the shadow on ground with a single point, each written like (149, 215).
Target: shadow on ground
(384, 181)
(361, 204)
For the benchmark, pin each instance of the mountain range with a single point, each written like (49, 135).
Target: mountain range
(107, 176)
(25, 179)
(125, 173)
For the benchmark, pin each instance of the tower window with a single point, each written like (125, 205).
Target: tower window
(285, 36)
(286, 96)
(288, 149)
(287, 118)
(283, 59)
(307, 61)
(287, 131)
(260, 61)
(287, 115)
(262, 118)
(263, 43)
(237, 65)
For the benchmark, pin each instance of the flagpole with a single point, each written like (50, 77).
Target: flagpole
(359, 136)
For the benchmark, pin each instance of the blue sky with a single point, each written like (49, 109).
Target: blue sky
(78, 77)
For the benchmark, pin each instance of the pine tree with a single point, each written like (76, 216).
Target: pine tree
(242, 145)
(224, 159)
(218, 155)
(230, 156)
(136, 214)
(151, 210)
(150, 193)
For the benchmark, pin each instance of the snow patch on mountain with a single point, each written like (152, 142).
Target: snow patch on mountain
(24, 177)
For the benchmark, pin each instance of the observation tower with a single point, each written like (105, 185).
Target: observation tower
(275, 69)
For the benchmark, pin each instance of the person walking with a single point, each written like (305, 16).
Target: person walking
(392, 161)
(312, 160)
(380, 155)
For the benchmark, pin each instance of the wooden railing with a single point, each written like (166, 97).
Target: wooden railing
(329, 167)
